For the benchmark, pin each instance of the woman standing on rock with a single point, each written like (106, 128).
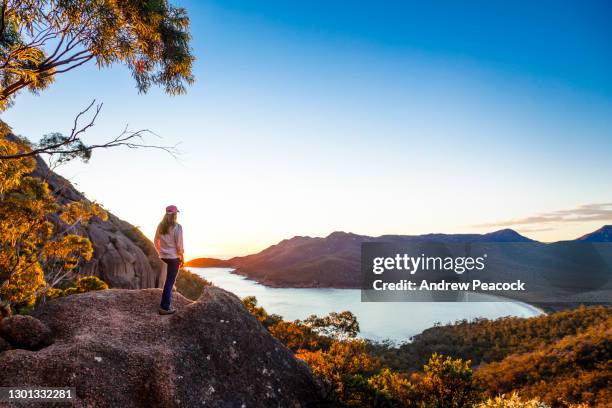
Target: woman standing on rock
(169, 245)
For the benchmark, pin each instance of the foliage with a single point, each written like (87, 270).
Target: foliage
(36, 249)
(570, 367)
(268, 320)
(295, 335)
(42, 38)
(53, 293)
(66, 252)
(81, 212)
(485, 340)
(250, 302)
(190, 285)
(90, 283)
(344, 368)
(76, 148)
(312, 333)
(12, 171)
(513, 401)
(352, 376)
(447, 383)
(576, 369)
(340, 326)
(394, 389)
(82, 285)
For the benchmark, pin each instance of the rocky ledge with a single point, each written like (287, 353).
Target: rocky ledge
(115, 349)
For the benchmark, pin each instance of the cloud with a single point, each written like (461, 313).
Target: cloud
(528, 230)
(583, 213)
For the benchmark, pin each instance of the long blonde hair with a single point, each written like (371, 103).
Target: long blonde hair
(168, 221)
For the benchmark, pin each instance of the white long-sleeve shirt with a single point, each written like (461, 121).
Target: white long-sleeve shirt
(170, 245)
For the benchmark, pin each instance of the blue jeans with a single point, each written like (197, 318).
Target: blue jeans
(172, 271)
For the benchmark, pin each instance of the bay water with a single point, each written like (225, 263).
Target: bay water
(395, 321)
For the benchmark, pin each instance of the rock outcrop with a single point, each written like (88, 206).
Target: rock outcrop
(115, 349)
(123, 257)
(25, 332)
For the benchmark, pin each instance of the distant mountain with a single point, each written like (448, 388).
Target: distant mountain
(334, 261)
(604, 234)
(505, 235)
(208, 263)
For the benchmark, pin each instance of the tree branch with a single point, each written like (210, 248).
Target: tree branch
(84, 59)
(127, 138)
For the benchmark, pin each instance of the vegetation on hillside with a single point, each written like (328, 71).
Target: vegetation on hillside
(354, 377)
(558, 360)
(483, 340)
(189, 284)
(38, 248)
(576, 369)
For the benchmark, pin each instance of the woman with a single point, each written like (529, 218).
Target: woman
(169, 245)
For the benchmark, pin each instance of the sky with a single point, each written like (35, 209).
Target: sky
(371, 117)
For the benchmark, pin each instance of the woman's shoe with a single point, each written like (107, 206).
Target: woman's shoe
(166, 312)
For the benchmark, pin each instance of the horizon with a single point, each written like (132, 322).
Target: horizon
(378, 118)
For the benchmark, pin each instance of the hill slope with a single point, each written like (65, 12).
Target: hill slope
(564, 357)
(604, 234)
(576, 369)
(483, 341)
(558, 274)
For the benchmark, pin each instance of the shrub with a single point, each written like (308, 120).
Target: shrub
(82, 285)
(190, 285)
(512, 401)
(344, 368)
(394, 389)
(37, 249)
(53, 293)
(90, 283)
(447, 383)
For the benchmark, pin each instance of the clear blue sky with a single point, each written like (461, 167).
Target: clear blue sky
(371, 117)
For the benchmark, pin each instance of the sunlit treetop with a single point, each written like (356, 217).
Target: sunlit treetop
(42, 38)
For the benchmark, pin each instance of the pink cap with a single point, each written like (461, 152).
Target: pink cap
(172, 209)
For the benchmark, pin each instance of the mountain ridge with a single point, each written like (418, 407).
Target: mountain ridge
(603, 234)
(334, 260)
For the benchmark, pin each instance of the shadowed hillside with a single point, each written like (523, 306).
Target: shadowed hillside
(335, 261)
(604, 234)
